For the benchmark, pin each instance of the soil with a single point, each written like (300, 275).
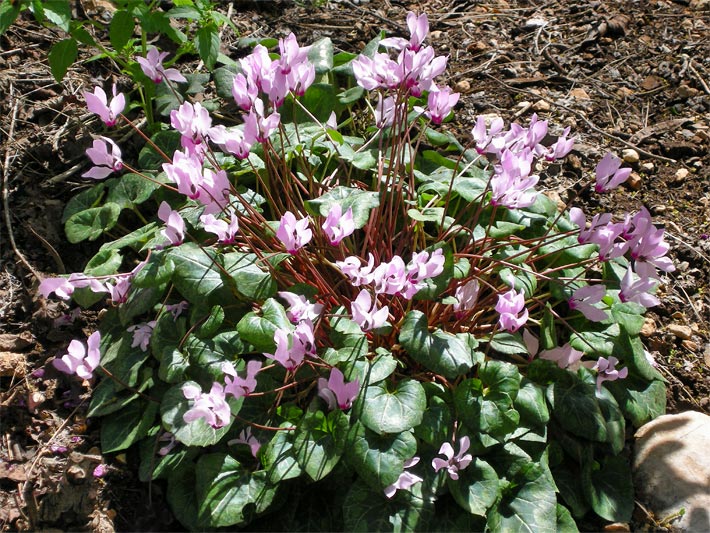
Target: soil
(625, 76)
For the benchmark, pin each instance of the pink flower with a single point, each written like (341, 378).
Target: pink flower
(606, 371)
(212, 407)
(405, 479)
(336, 392)
(583, 298)
(246, 437)
(177, 309)
(385, 111)
(119, 289)
(100, 471)
(358, 275)
(646, 242)
(290, 349)
(483, 135)
(258, 125)
(142, 334)
(300, 308)
(637, 290)
(241, 386)
(511, 183)
(391, 278)
(608, 174)
(62, 287)
(233, 140)
(81, 360)
(244, 91)
(466, 296)
(366, 313)
(191, 120)
(175, 230)
(453, 463)
(561, 147)
(512, 310)
(565, 357)
(106, 163)
(225, 231)
(294, 234)
(440, 103)
(152, 66)
(337, 225)
(97, 103)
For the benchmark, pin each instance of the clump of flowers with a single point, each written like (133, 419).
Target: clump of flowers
(340, 303)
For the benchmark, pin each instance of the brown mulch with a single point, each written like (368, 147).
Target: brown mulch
(624, 75)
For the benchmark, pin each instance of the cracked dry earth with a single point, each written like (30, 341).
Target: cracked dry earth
(628, 76)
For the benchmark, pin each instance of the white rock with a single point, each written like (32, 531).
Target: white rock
(630, 155)
(672, 469)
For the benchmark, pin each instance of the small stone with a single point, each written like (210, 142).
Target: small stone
(658, 209)
(681, 174)
(630, 155)
(617, 526)
(435, 35)
(687, 92)
(579, 94)
(625, 92)
(555, 197)
(648, 167)
(690, 345)
(680, 331)
(649, 327)
(706, 355)
(541, 105)
(634, 181)
(671, 470)
(463, 86)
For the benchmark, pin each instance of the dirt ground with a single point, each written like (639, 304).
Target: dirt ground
(628, 76)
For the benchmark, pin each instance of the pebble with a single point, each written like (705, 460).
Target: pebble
(690, 345)
(649, 327)
(541, 105)
(648, 167)
(681, 174)
(634, 181)
(671, 469)
(680, 331)
(659, 209)
(706, 354)
(579, 94)
(630, 155)
(463, 86)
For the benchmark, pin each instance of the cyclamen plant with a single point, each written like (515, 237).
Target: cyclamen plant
(346, 307)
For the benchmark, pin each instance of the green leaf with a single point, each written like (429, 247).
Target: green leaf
(609, 488)
(157, 272)
(211, 323)
(321, 55)
(197, 433)
(167, 141)
(223, 78)
(366, 510)
(121, 29)
(575, 407)
(8, 15)
(567, 481)
(565, 522)
(129, 190)
(91, 223)
(83, 201)
(508, 343)
(182, 498)
(253, 281)
(477, 487)
(360, 201)
(259, 330)
(58, 12)
(499, 376)
(629, 316)
(529, 505)
(278, 456)
(320, 101)
(197, 274)
(229, 494)
(154, 466)
(319, 442)
(530, 403)
(104, 263)
(440, 351)
(351, 95)
(485, 410)
(378, 459)
(437, 421)
(127, 426)
(615, 424)
(136, 239)
(61, 57)
(385, 411)
(640, 401)
(207, 41)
